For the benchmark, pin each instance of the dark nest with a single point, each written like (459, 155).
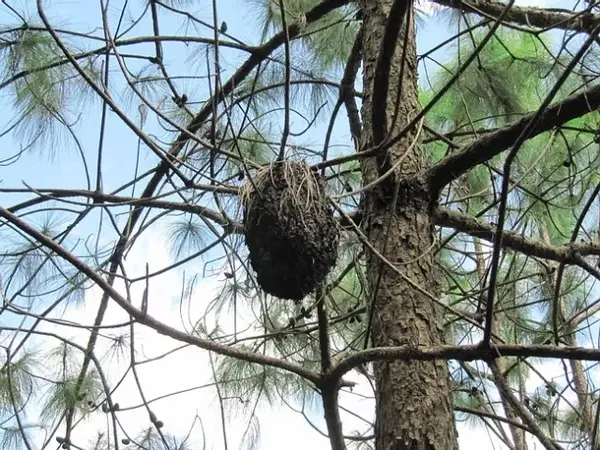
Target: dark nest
(290, 230)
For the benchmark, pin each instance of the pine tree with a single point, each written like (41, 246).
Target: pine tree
(410, 229)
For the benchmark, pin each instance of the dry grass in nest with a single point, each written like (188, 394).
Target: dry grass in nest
(289, 228)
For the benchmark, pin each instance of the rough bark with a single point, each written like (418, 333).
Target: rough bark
(414, 407)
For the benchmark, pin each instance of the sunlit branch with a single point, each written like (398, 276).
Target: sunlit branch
(545, 19)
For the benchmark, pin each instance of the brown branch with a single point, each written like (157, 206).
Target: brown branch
(443, 217)
(347, 92)
(99, 197)
(329, 392)
(510, 239)
(494, 417)
(119, 43)
(495, 143)
(398, 15)
(167, 163)
(459, 353)
(463, 353)
(506, 393)
(583, 22)
(169, 159)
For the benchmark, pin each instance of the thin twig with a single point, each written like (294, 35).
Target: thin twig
(286, 95)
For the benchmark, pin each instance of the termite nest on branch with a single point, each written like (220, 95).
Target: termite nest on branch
(289, 229)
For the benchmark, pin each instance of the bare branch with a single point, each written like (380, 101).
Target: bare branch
(583, 22)
(146, 319)
(506, 393)
(460, 353)
(514, 241)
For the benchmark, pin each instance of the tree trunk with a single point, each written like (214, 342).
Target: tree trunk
(414, 407)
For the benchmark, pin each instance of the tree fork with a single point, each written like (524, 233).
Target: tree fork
(413, 399)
